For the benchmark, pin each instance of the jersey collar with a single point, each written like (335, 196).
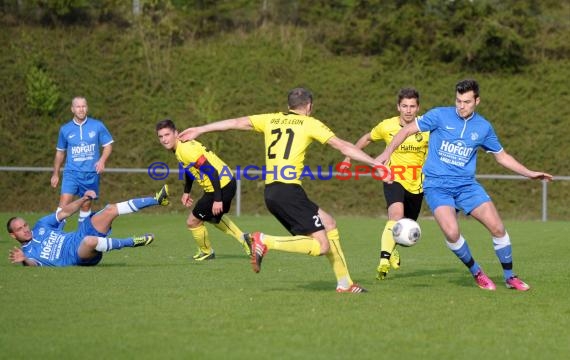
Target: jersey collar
(83, 123)
(469, 118)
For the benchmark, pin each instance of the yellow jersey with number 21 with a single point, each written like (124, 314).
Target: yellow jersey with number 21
(287, 136)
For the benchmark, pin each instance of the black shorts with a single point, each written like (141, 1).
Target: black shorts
(203, 208)
(291, 206)
(395, 192)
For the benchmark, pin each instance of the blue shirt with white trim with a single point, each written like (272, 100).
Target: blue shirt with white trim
(454, 142)
(82, 142)
(51, 246)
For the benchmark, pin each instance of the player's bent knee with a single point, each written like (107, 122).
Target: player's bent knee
(193, 222)
(90, 242)
(323, 245)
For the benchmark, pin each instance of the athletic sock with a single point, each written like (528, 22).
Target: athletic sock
(227, 226)
(83, 215)
(504, 252)
(387, 243)
(296, 244)
(200, 235)
(337, 260)
(108, 244)
(461, 250)
(134, 205)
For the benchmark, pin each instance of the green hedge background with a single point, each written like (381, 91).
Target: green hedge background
(196, 62)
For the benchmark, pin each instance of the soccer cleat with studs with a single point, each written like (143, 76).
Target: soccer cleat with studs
(258, 249)
(382, 269)
(202, 256)
(143, 240)
(395, 259)
(354, 289)
(517, 284)
(162, 196)
(246, 243)
(483, 281)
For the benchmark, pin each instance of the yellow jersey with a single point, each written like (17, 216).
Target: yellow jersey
(287, 136)
(406, 161)
(192, 154)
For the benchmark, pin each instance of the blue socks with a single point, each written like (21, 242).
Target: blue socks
(504, 252)
(461, 250)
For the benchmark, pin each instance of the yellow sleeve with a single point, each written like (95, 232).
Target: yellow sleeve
(320, 131)
(378, 132)
(258, 122)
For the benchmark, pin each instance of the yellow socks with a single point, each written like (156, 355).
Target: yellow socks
(337, 260)
(227, 226)
(387, 243)
(296, 244)
(200, 235)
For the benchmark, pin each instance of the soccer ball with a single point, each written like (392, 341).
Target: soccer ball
(406, 232)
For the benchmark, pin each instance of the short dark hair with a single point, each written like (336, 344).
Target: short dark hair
(299, 97)
(9, 224)
(165, 124)
(408, 93)
(467, 85)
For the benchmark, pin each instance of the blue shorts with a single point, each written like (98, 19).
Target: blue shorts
(77, 182)
(86, 229)
(466, 197)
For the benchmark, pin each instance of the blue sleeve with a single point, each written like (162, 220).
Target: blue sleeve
(61, 140)
(49, 221)
(428, 121)
(491, 142)
(104, 135)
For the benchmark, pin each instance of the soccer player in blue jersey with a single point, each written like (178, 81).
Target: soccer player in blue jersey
(47, 245)
(80, 141)
(456, 133)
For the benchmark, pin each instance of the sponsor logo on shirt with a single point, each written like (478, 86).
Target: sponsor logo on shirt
(51, 248)
(455, 153)
(83, 151)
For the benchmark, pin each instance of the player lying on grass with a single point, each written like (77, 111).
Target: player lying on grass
(46, 244)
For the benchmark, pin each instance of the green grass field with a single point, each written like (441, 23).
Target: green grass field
(154, 302)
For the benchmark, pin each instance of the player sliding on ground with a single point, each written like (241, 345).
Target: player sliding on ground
(47, 245)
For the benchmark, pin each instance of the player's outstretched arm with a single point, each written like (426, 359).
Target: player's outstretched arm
(397, 140)
(241, 123)
(509, 162)
(74, 206)
(363, 142)
(350, 150)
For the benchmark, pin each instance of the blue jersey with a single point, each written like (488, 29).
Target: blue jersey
(453, 144)
(82, 142)
(50, 246)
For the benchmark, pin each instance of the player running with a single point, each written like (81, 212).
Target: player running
(219, 185)
(287, 136)
(403, 196)
(456, 134)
